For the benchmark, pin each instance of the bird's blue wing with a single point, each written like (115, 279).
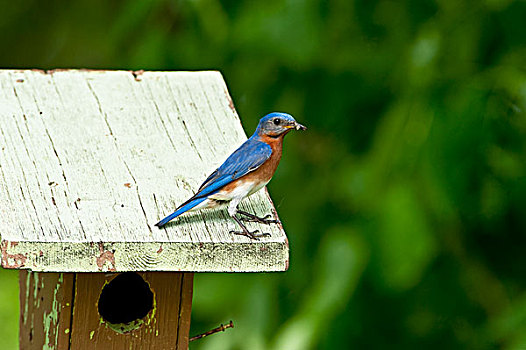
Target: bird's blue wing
(248, 157)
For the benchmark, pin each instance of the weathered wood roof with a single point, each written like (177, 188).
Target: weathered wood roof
(91, 160)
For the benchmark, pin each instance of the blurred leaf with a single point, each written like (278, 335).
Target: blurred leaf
(406, 244)
(9, 308)
(339, 264)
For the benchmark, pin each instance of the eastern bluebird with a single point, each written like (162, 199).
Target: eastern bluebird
(245, 171)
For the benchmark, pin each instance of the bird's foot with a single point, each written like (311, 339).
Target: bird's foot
(263, 220)
(254, 218)
(251, 234)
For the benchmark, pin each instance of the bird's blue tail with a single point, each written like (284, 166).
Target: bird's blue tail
(183, 208)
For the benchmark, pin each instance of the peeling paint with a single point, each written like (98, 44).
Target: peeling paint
(12, 261)
(26, 306)
(39, 284)
(35, 295)
(137, 74)
(65, 70)
(230, 102)
(36, 275)
(105, 256)
(50, 320)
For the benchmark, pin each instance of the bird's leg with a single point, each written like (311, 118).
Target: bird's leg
(255, 218)
(245, 232)
(232, 211)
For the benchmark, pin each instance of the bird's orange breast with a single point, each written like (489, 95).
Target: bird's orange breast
(265, 172)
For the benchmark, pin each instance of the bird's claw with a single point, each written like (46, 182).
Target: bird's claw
(251, 234)
(263, 220)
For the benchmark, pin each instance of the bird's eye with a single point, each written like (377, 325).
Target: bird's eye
(277, 121)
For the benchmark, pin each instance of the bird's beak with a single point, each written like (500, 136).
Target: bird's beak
(298, 126)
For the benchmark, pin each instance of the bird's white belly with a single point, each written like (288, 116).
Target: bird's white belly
(244, 189)
(257, 187)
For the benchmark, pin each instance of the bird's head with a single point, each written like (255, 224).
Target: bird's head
(277, 124)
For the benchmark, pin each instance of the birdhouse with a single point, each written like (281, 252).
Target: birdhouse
(89, 162)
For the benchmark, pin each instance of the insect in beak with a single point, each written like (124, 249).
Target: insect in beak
(298, 126)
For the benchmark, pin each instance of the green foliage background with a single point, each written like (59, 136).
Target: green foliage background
(405, 201)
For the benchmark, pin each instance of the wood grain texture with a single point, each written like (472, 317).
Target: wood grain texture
(185, 311)
(165, 327)
(45, 310)
(91, 160)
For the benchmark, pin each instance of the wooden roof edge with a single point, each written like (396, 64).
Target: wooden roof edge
(142, 256)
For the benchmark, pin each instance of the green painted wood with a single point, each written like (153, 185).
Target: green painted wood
(46, 304)
(91, 160)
